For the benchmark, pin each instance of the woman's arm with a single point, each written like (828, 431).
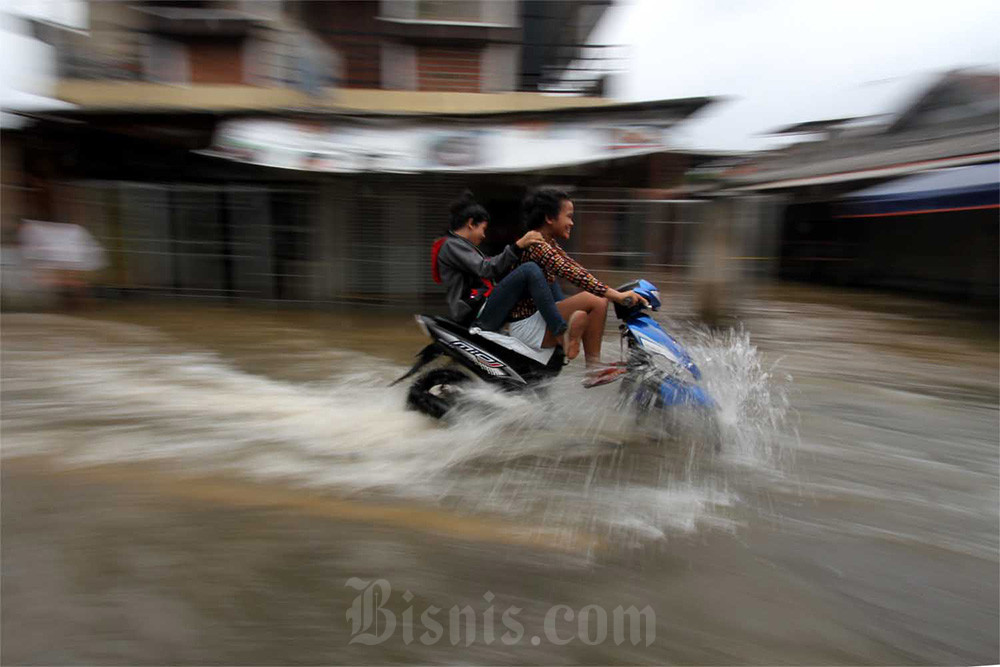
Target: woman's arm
(563, 266)
(552, 261)
(469, 260)
(464, 258)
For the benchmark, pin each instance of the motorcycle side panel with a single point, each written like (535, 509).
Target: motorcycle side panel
(487, 359)
(481, 362)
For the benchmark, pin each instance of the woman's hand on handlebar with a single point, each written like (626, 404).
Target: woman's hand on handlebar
(627, 299)
(529, 239)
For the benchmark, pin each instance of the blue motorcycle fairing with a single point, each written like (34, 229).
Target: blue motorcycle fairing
(674, 392)
(656, 340)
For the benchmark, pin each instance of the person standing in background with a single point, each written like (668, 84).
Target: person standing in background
(63, 258)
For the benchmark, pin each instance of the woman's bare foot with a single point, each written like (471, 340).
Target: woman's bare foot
(598, 375)
(574, 334)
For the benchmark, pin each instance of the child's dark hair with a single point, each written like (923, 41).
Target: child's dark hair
(541, 204)
(466, 207)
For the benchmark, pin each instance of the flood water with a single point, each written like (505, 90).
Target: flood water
(198, 484)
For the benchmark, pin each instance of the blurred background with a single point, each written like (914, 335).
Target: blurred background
(216, 225)
(249, 151)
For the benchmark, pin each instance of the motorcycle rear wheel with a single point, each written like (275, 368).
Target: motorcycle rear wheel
(437, 391)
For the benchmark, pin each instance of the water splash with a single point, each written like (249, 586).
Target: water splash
(91, 392)
(753, 396)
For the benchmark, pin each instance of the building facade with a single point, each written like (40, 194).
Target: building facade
(156, 84)
(942, 241)
(469, 46)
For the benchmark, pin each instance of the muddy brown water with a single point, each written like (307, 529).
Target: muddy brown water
(201, 484)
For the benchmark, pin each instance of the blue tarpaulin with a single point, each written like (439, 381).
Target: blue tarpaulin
(959, 188)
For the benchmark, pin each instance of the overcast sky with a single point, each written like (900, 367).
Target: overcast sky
(786, 61)
(779, 61)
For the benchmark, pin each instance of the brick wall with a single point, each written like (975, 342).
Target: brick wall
(451, 69)
(216, 60)
(351, 28)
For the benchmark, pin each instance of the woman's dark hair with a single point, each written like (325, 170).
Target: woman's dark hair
(541, 204)
(466, 207)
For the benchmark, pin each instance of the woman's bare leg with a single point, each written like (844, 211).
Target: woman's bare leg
(594, 333)
(596, 308)
(576, 324)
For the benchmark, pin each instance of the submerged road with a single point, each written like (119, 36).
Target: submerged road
(213, 485)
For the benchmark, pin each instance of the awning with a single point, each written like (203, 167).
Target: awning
(966, 188)
(18, 105)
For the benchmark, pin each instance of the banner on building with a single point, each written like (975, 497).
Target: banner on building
(342, 147)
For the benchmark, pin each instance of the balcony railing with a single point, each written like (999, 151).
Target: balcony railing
(578, 69)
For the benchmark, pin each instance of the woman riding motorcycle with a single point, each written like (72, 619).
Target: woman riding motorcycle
(550, 212)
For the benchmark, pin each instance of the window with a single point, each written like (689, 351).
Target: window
(167, 61)
(492, 12)
(450, 10)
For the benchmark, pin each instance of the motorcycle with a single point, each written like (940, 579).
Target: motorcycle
(658, 372)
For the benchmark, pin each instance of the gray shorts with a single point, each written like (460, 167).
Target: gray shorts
(530, 330)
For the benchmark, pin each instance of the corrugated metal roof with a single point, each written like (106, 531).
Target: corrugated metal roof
(978, 147)
(955, 178)
(968, 134)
